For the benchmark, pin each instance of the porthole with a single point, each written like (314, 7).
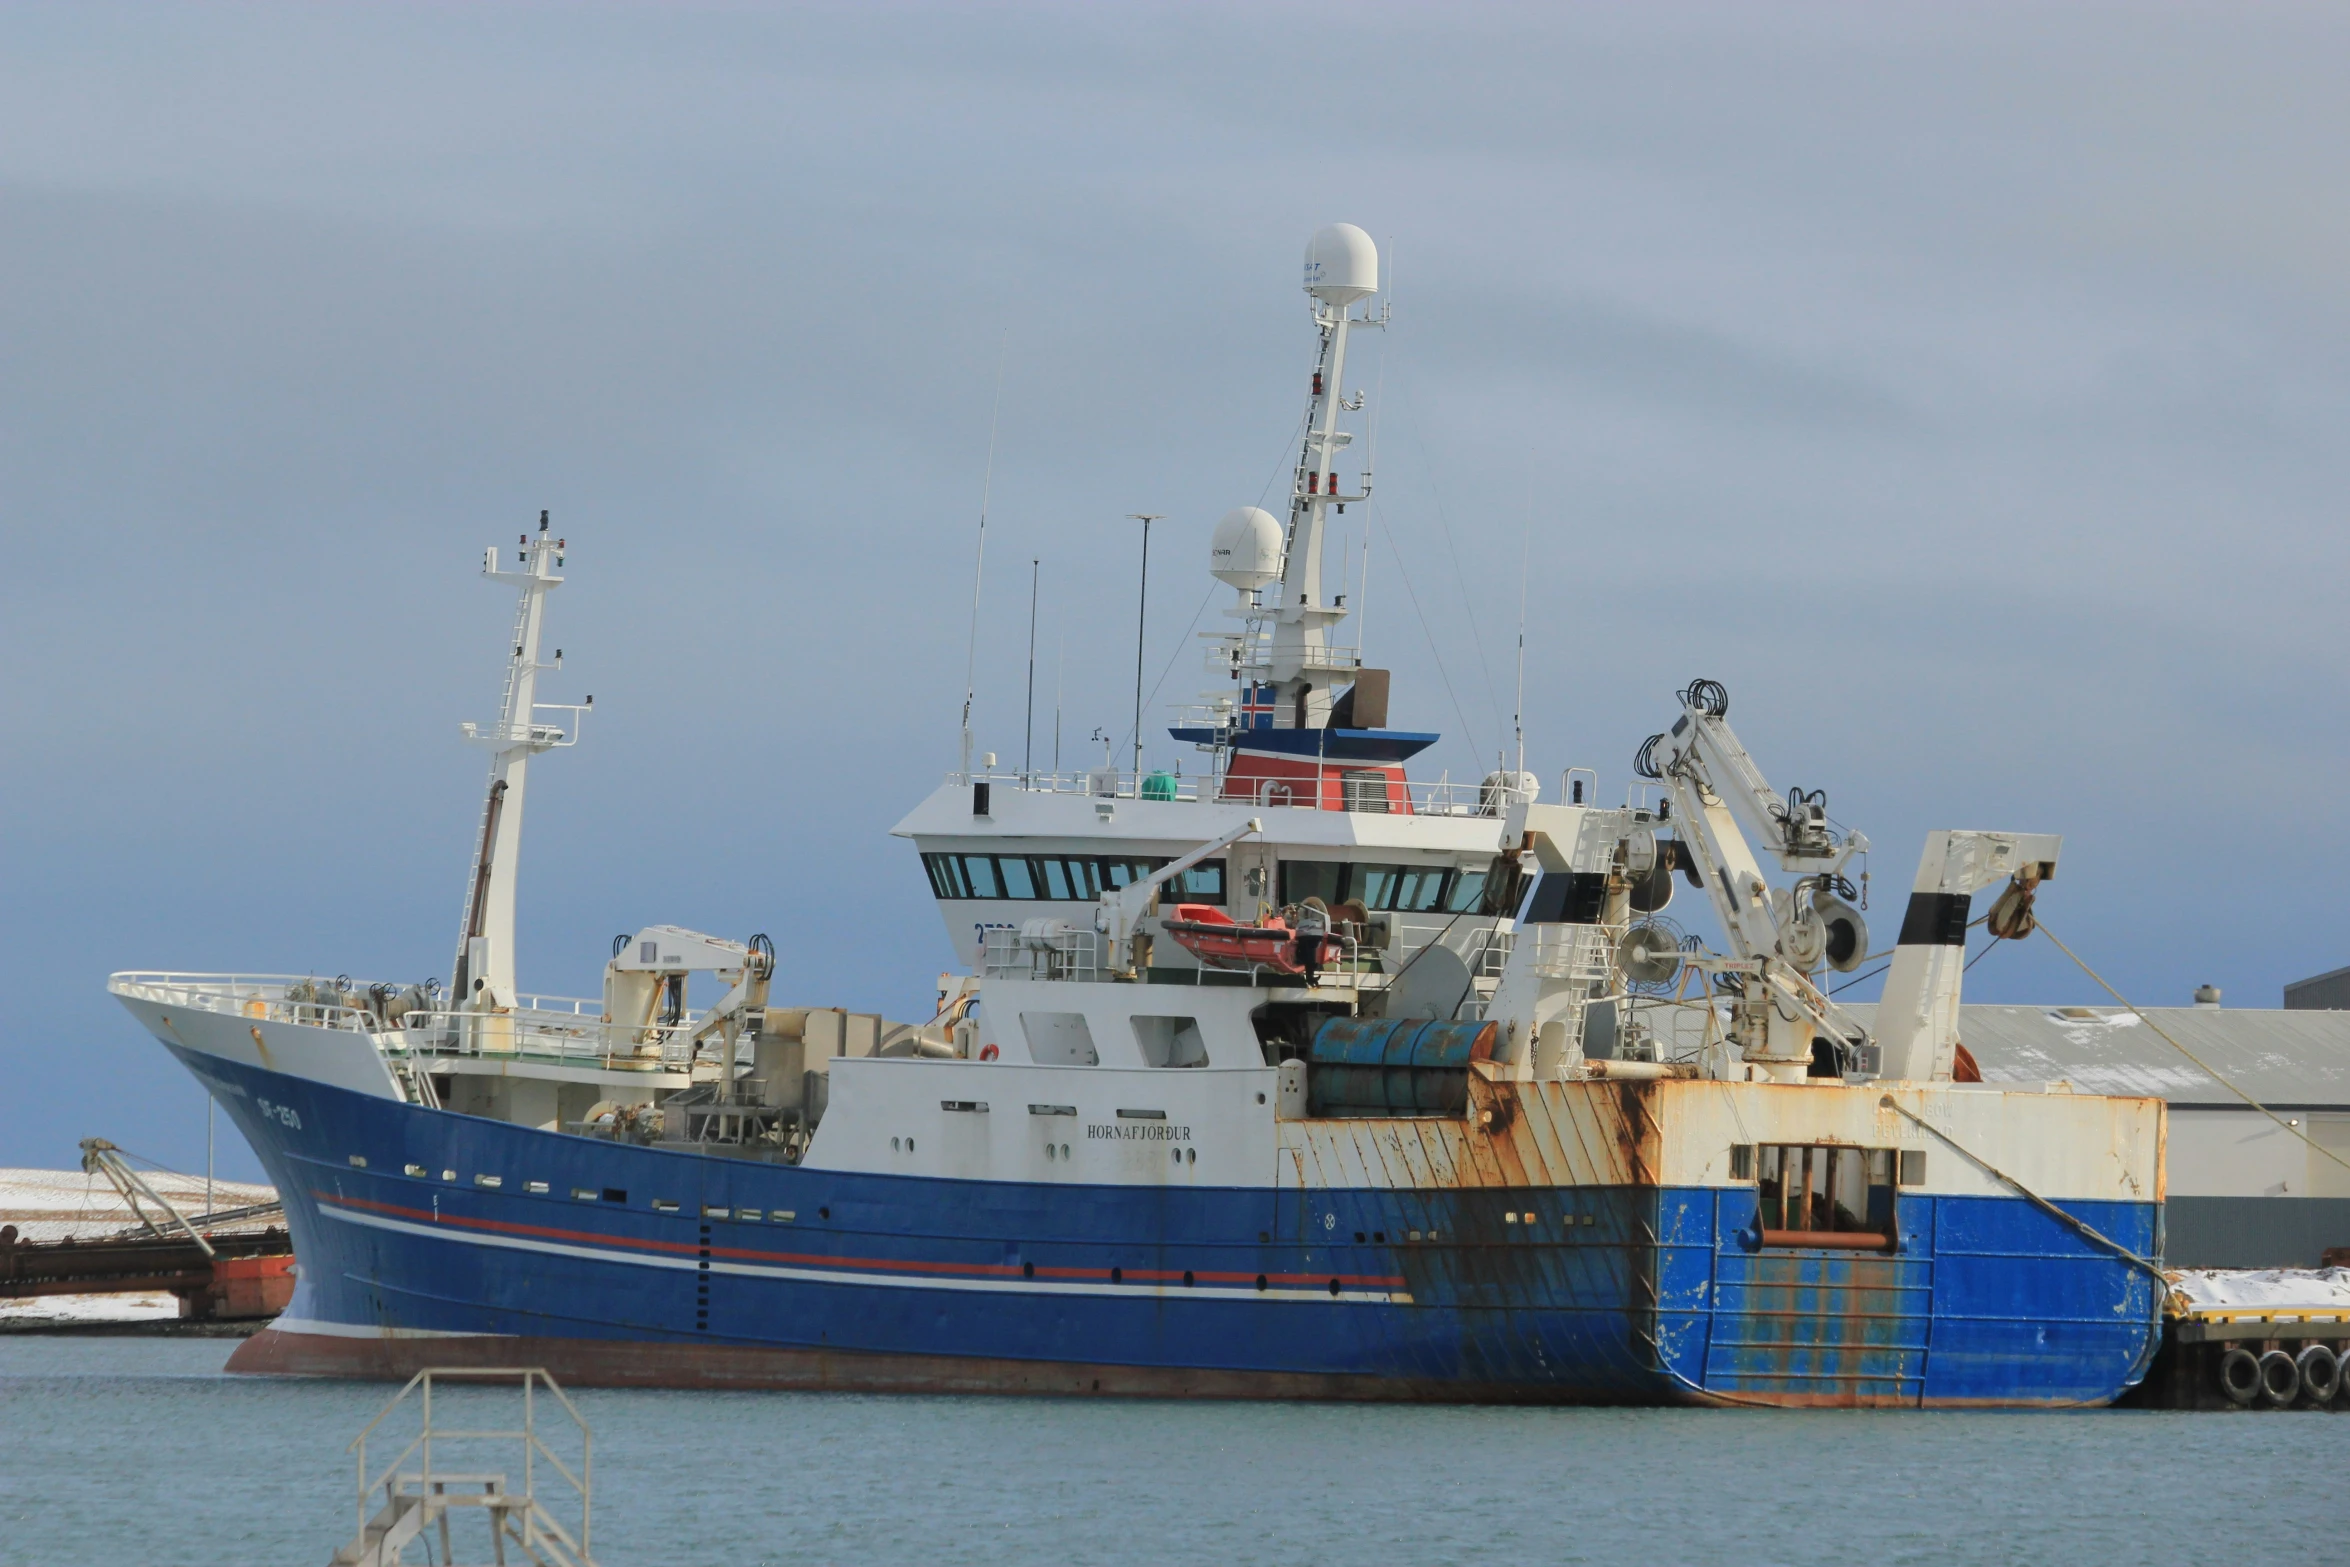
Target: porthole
(415, 1169)
(1176, 1154)
(1050, 1152)
(1358, 1237)
(893, 1145)
(1260, 1099)
(1191, 1156)
(1187, 1278)
(824, 1213)
(1260, 1282)
(1064, 1150)
(1378, 1237)
(1028, 1270)
(1333, 1286)
(1117, 1275)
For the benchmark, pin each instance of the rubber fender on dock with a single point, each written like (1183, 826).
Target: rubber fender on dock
(2321, 1374)
(2280, 1378)
(2239, 1375)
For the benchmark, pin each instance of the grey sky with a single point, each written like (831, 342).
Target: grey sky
(1965, 388)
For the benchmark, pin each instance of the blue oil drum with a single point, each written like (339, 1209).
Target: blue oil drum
(1393, 1066)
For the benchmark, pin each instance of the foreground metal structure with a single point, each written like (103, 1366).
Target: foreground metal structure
(418, 1502)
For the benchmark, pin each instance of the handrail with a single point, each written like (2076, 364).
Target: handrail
(563, 1027)
(534, 1447)
(1437, 797)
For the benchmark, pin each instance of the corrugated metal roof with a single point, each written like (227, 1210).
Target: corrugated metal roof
(2278, 1057)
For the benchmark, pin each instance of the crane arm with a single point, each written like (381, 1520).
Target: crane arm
(1124, 907)
(1702, 744)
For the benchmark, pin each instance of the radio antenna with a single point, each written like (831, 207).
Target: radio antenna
(1525, 549)
(979, 563)
(1028, 749)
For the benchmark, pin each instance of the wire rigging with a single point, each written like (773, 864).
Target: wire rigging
(1467, 729)
(1452, 547)
(2209, 1070)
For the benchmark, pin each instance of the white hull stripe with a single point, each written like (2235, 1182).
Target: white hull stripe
(324, 1329)
(870, 1280)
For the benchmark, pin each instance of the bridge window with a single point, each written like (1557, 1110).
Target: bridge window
(1203, 883)
(1018, 877)
(1119, 873)
(1465, 893)
(1303, 879)
(1405, 889)
(1060, 878)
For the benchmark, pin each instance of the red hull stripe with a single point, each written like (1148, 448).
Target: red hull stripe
(895, 1265)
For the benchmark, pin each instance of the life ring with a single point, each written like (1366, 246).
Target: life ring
(988, 1052)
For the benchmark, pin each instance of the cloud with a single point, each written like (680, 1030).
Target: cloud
(1965, 391)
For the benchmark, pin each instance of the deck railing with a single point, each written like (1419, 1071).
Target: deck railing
(1438, 797)
(567, 1028)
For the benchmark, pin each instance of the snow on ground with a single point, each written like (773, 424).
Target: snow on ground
(143, 1306)
(2265, 1289)
(50, 1205)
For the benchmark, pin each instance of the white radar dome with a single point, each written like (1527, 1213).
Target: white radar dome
(1246, 550)
(1342, 265)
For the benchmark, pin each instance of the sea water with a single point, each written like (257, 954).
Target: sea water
(116, 1450)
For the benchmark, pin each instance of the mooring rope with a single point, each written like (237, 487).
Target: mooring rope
(2208, 1069)
(2082, 1226)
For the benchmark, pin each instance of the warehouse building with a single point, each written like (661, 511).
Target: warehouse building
(2244, 1191)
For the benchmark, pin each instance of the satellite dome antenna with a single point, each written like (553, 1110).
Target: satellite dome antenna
(1342, 265)
(1245, 552)
(1283, 667)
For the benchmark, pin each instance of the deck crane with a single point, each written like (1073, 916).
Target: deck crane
(1783, 935)
(1124, 908)
(1780, 936)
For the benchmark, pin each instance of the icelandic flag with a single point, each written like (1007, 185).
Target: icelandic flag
(1256, 705)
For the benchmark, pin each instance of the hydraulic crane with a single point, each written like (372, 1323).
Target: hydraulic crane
(1782, 936)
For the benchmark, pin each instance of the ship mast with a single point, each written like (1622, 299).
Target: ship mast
(485, 940)
(1342, 266)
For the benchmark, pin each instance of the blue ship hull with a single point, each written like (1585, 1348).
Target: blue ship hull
(1616, 1294)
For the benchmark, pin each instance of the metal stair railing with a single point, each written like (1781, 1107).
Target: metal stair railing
(414, 1499)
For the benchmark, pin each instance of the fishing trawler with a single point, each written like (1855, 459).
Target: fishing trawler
(1290, 1076)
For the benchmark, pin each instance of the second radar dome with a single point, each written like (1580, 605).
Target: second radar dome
(1245, 552)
